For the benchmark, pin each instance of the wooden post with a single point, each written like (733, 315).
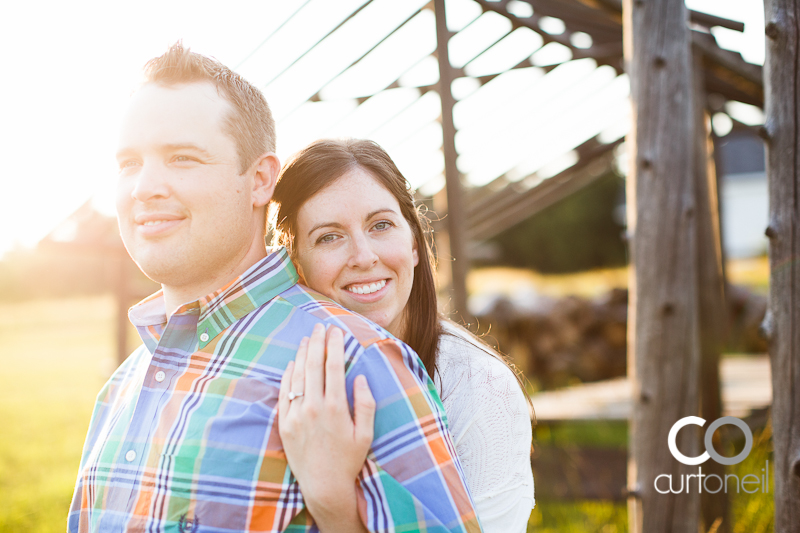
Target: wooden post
(716, 147)
(782, 324)
(456, 218)
(711, 290)
(123, 297)
(663, 321)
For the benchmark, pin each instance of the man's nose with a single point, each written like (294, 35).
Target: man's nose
(151, 183)
(362, 255)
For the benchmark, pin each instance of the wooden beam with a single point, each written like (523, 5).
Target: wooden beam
(732, 61)
(698, 17)
(732, 91)
(598, 53)
(488, 196)
(316, 96)
(317, 43)
(711, 291)
(663, 328)
(709, 21)
(492, 213)
(458, 260)
(579, 17)
(782, 133)
(122, 294)
(539, 198)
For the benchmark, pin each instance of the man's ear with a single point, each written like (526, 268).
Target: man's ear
(266, 168)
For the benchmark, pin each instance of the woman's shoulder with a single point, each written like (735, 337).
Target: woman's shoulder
(469, 369)
(460, 351)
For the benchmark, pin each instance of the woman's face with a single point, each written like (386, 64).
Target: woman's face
(353, 245)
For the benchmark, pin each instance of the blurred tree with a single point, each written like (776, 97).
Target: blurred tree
(82, 255)
(580, 232)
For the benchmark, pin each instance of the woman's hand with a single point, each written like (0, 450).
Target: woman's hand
(325, 447)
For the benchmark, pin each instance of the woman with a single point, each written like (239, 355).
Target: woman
(348, 218)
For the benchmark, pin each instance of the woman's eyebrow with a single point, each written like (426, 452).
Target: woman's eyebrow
(324, 225)
(379, 211)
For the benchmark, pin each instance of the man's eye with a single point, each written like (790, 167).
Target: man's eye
(128, 164)
(183, 158)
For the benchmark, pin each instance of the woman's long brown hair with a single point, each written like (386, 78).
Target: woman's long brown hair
(321, 164)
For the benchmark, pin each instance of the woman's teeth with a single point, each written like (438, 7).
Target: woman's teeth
(367, 289)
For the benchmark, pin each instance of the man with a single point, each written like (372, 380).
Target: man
(184, 435)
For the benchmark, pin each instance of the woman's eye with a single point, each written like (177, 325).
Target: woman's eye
(327, 238)
(382, 225)
(182, 158)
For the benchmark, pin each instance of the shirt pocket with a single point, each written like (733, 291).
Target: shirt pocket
(223, 491)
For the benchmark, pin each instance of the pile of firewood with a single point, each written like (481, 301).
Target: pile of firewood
(558, 342)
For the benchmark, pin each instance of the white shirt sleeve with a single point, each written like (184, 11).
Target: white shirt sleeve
(490, 424)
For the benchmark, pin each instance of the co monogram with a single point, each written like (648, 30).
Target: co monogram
(710, 451)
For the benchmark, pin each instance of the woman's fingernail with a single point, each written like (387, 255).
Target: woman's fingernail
(318, 327)
(303, 341)
(361, 381)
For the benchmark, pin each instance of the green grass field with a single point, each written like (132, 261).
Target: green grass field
(55, 356)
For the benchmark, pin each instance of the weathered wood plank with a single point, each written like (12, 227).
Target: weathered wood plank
(746, 387)
(664, 340)
(457, 258)
(782, 132)
(711, 287)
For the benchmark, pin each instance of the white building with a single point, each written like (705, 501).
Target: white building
(743, 196)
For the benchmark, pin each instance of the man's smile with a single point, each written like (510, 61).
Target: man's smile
(152, 224)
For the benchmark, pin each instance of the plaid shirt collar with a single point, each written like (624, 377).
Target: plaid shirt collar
(217, 311)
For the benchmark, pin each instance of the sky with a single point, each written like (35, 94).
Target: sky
(69, 68)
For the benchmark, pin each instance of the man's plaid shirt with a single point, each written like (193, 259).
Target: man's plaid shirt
(184, 435)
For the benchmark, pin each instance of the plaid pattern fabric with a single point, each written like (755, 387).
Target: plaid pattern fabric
(184, 435)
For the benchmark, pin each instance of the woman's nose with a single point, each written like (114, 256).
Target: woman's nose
(362, 255)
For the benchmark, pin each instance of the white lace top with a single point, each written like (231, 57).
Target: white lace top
(491, 427)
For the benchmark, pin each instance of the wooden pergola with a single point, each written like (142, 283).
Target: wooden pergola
(677, 268)
(494, 208)
(677, 275)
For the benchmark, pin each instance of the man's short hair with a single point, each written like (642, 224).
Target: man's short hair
(250, 124)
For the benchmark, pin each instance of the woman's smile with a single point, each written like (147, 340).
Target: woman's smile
(366, 288)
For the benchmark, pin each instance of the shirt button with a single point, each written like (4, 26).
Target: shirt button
(203, 337)
(130, 456)
(160, 376)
